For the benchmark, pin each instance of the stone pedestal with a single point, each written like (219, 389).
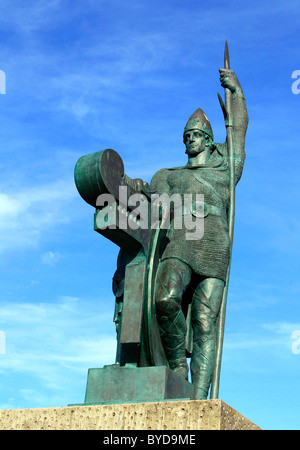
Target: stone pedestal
(166, 415)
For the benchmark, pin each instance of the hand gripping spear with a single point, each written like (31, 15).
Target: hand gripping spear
(227, 112)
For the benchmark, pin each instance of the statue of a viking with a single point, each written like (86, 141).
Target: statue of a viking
(192, 273)
(171, 289)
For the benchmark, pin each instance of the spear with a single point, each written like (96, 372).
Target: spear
(227, 112)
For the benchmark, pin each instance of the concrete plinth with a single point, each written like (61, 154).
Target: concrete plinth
(168, 415)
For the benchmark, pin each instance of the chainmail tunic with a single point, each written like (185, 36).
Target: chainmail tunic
(208, 256)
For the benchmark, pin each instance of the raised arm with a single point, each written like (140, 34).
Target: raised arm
(239, 118)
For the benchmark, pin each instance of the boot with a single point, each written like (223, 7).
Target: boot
(172, 332)
(202, 367)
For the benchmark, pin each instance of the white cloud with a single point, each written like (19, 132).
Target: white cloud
(282, 328)
(51, 344)
(263, 348)
(27, 214)
(50, 258)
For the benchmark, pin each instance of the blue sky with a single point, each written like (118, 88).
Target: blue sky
(85, 76)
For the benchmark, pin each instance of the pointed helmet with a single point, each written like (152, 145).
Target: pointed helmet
(199, 121)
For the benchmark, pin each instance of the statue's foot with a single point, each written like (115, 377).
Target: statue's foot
(199, 394)
(182, 370)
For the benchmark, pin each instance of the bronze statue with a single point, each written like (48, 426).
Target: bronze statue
(184, 281)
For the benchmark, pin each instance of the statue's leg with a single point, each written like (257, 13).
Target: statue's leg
(205, 308)
(173, 277)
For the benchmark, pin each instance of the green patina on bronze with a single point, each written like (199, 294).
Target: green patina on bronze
(170, 291)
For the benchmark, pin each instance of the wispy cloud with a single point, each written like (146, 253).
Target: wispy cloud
(27, 214)
(263, 349)
(50, 258)
(282, 328)
(53, 343)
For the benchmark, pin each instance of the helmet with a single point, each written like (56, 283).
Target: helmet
(199, 121)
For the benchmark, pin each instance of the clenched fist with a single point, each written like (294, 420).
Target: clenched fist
(229, 80)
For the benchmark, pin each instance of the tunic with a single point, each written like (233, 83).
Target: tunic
(208, 256)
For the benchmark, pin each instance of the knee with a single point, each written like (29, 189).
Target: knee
(167, 304)
(172, 279)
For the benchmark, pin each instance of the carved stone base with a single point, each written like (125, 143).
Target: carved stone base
(115, 384)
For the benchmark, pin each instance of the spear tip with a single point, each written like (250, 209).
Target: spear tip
(226, 56)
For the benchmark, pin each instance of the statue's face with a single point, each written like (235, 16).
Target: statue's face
(194, 141)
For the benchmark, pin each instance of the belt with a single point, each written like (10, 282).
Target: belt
(202, 209)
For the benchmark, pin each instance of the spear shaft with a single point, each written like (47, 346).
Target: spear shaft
(227, 111)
